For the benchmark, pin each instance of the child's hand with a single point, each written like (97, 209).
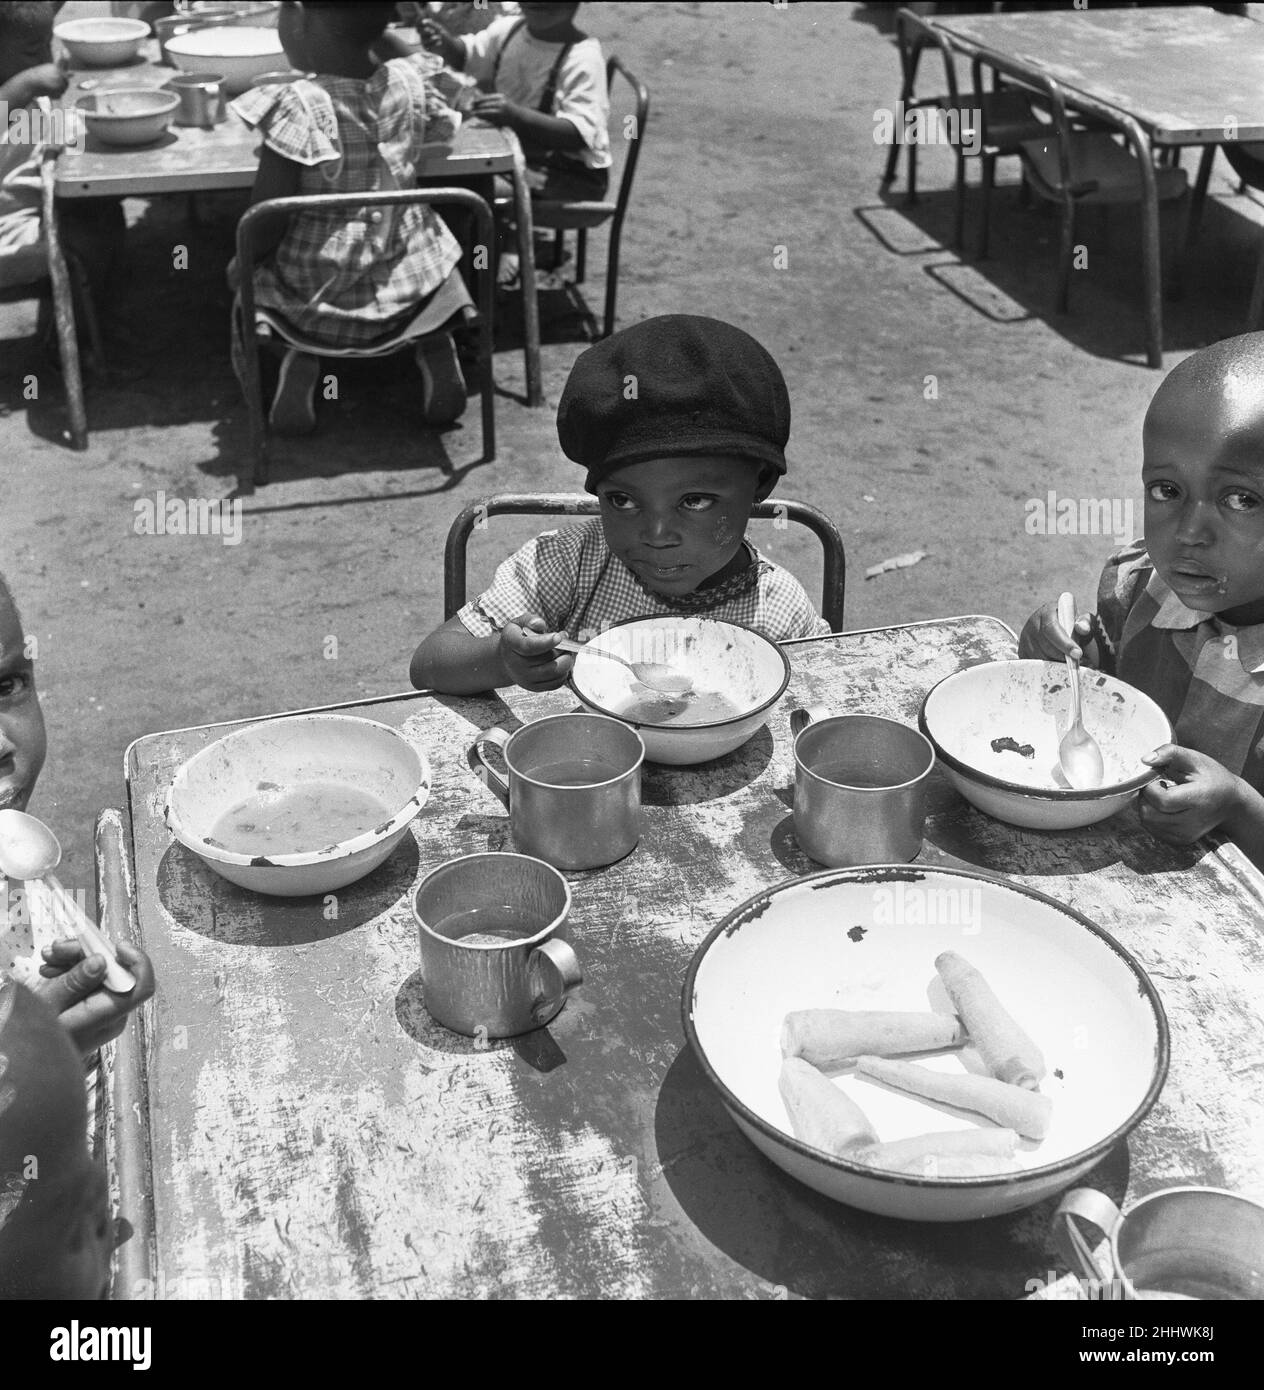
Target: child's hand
(46, 80)
(1195, 795)
(528, 653)
(1043, 638)
(73, 988)
(495, 108)
(436, 39)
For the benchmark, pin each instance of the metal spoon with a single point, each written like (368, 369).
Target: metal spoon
(1078, 752)
(656, 674)
(29, 850)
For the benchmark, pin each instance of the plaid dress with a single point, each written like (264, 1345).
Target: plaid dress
(341, 280)
(570, 578)
(1205, 674)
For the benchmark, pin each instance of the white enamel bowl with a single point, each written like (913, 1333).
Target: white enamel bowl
(240, 52)
(724, 659)
(286, 753)
(867, 939)
(127, 115)
(102, 43)
(1027, 702)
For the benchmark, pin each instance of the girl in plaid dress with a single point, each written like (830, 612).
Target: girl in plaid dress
(333, 281)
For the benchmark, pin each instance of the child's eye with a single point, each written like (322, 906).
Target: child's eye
(696, 501)
(1161, 492)
(1239, 501)
(618, 501)
(11, 686)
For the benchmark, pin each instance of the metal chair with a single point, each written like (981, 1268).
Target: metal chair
(1005, 115)
(833, 586)
(1074, 168)
(245, 304)
(1247, 161)
(581, 216)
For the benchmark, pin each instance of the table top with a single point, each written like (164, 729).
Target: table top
(189, 159)
(1182, 70)
(314, 1134)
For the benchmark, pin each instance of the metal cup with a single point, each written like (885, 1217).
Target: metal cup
(202, 101)
(1184, 1242)
(574, 791)
(859, 788)
(493, 959)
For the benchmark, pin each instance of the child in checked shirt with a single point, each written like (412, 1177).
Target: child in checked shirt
(681, 423)
(1181, 613)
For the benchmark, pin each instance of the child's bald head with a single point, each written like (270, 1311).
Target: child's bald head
(1219, 390)
(22, 739)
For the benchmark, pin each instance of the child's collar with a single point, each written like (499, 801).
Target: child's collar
(1174, 616)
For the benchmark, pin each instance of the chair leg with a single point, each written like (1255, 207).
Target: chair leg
(985, 205)
(1150, 257)
(559, 249)
(1065, 252)
(910, 195)
(959, 205)
(246, 352)
(83, 299)
(581, 254)
(1193, 221)
(612, 277)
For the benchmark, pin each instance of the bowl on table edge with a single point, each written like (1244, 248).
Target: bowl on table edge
(727, 659)
(240, 52)
(103, 42)
(851, 939)
(1027, 703)
(127, 116)
(289, 752)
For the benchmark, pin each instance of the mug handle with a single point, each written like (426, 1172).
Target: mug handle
(810, 714)
(1100, 1212)
(482, 769)
(554, 958)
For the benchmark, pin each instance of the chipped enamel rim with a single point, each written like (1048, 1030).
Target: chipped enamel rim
(674, 730)
(342, 850)
(1024, 789)
(754, 907)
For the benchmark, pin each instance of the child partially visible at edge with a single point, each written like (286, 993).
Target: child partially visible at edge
(677, 463)
(1181, 612)
(340, 281)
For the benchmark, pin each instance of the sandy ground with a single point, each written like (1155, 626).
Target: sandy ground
(757, 201)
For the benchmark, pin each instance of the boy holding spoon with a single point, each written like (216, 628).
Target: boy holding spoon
(1181, 612)
(681, 423)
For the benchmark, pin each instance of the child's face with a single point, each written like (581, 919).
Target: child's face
(292, 31)
(676, 522)
(22, 741)
(543, 19)
(1203, 475)
(27, 37)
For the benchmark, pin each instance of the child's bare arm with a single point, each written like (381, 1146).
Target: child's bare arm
(452, 660)
(44, 80)
(73, 985)
(533, 128)
(276, 177)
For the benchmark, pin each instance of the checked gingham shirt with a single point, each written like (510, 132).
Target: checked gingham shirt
(341, 280)
(1206, 675)
(570, 578)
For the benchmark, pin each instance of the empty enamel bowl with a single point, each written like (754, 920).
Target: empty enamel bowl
(867, 939)
(104, 42)
(240, 52)
(128, 115)
(996, 729)
(738, 676)
(304, 804)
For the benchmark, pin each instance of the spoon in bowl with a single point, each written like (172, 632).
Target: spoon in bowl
(654, 674)
(1078, 752)
(29, 850)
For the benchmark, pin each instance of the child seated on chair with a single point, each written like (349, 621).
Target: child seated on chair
(71, 985)
(681, 423)
(92, 231)
(546, 80)
(1181, 612)
(333, 280)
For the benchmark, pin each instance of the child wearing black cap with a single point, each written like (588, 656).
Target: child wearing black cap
(681, 423)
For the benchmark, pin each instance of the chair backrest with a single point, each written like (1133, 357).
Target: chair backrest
(912, 35)
(633, 141)
(834, 582)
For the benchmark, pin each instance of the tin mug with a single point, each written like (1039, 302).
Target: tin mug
(859, 787)
(201, 98)
(494, 959)
(574, 789)
(1182, 1243)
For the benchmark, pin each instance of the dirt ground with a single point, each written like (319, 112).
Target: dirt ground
(757, 200)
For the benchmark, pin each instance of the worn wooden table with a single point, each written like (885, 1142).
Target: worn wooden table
(311, 1133)
(1186, 74)
(191, 160)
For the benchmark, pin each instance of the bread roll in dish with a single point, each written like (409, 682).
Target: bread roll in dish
(1007, 1052)
(1028, 1112)
(820, 1114)
(833, 1038)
